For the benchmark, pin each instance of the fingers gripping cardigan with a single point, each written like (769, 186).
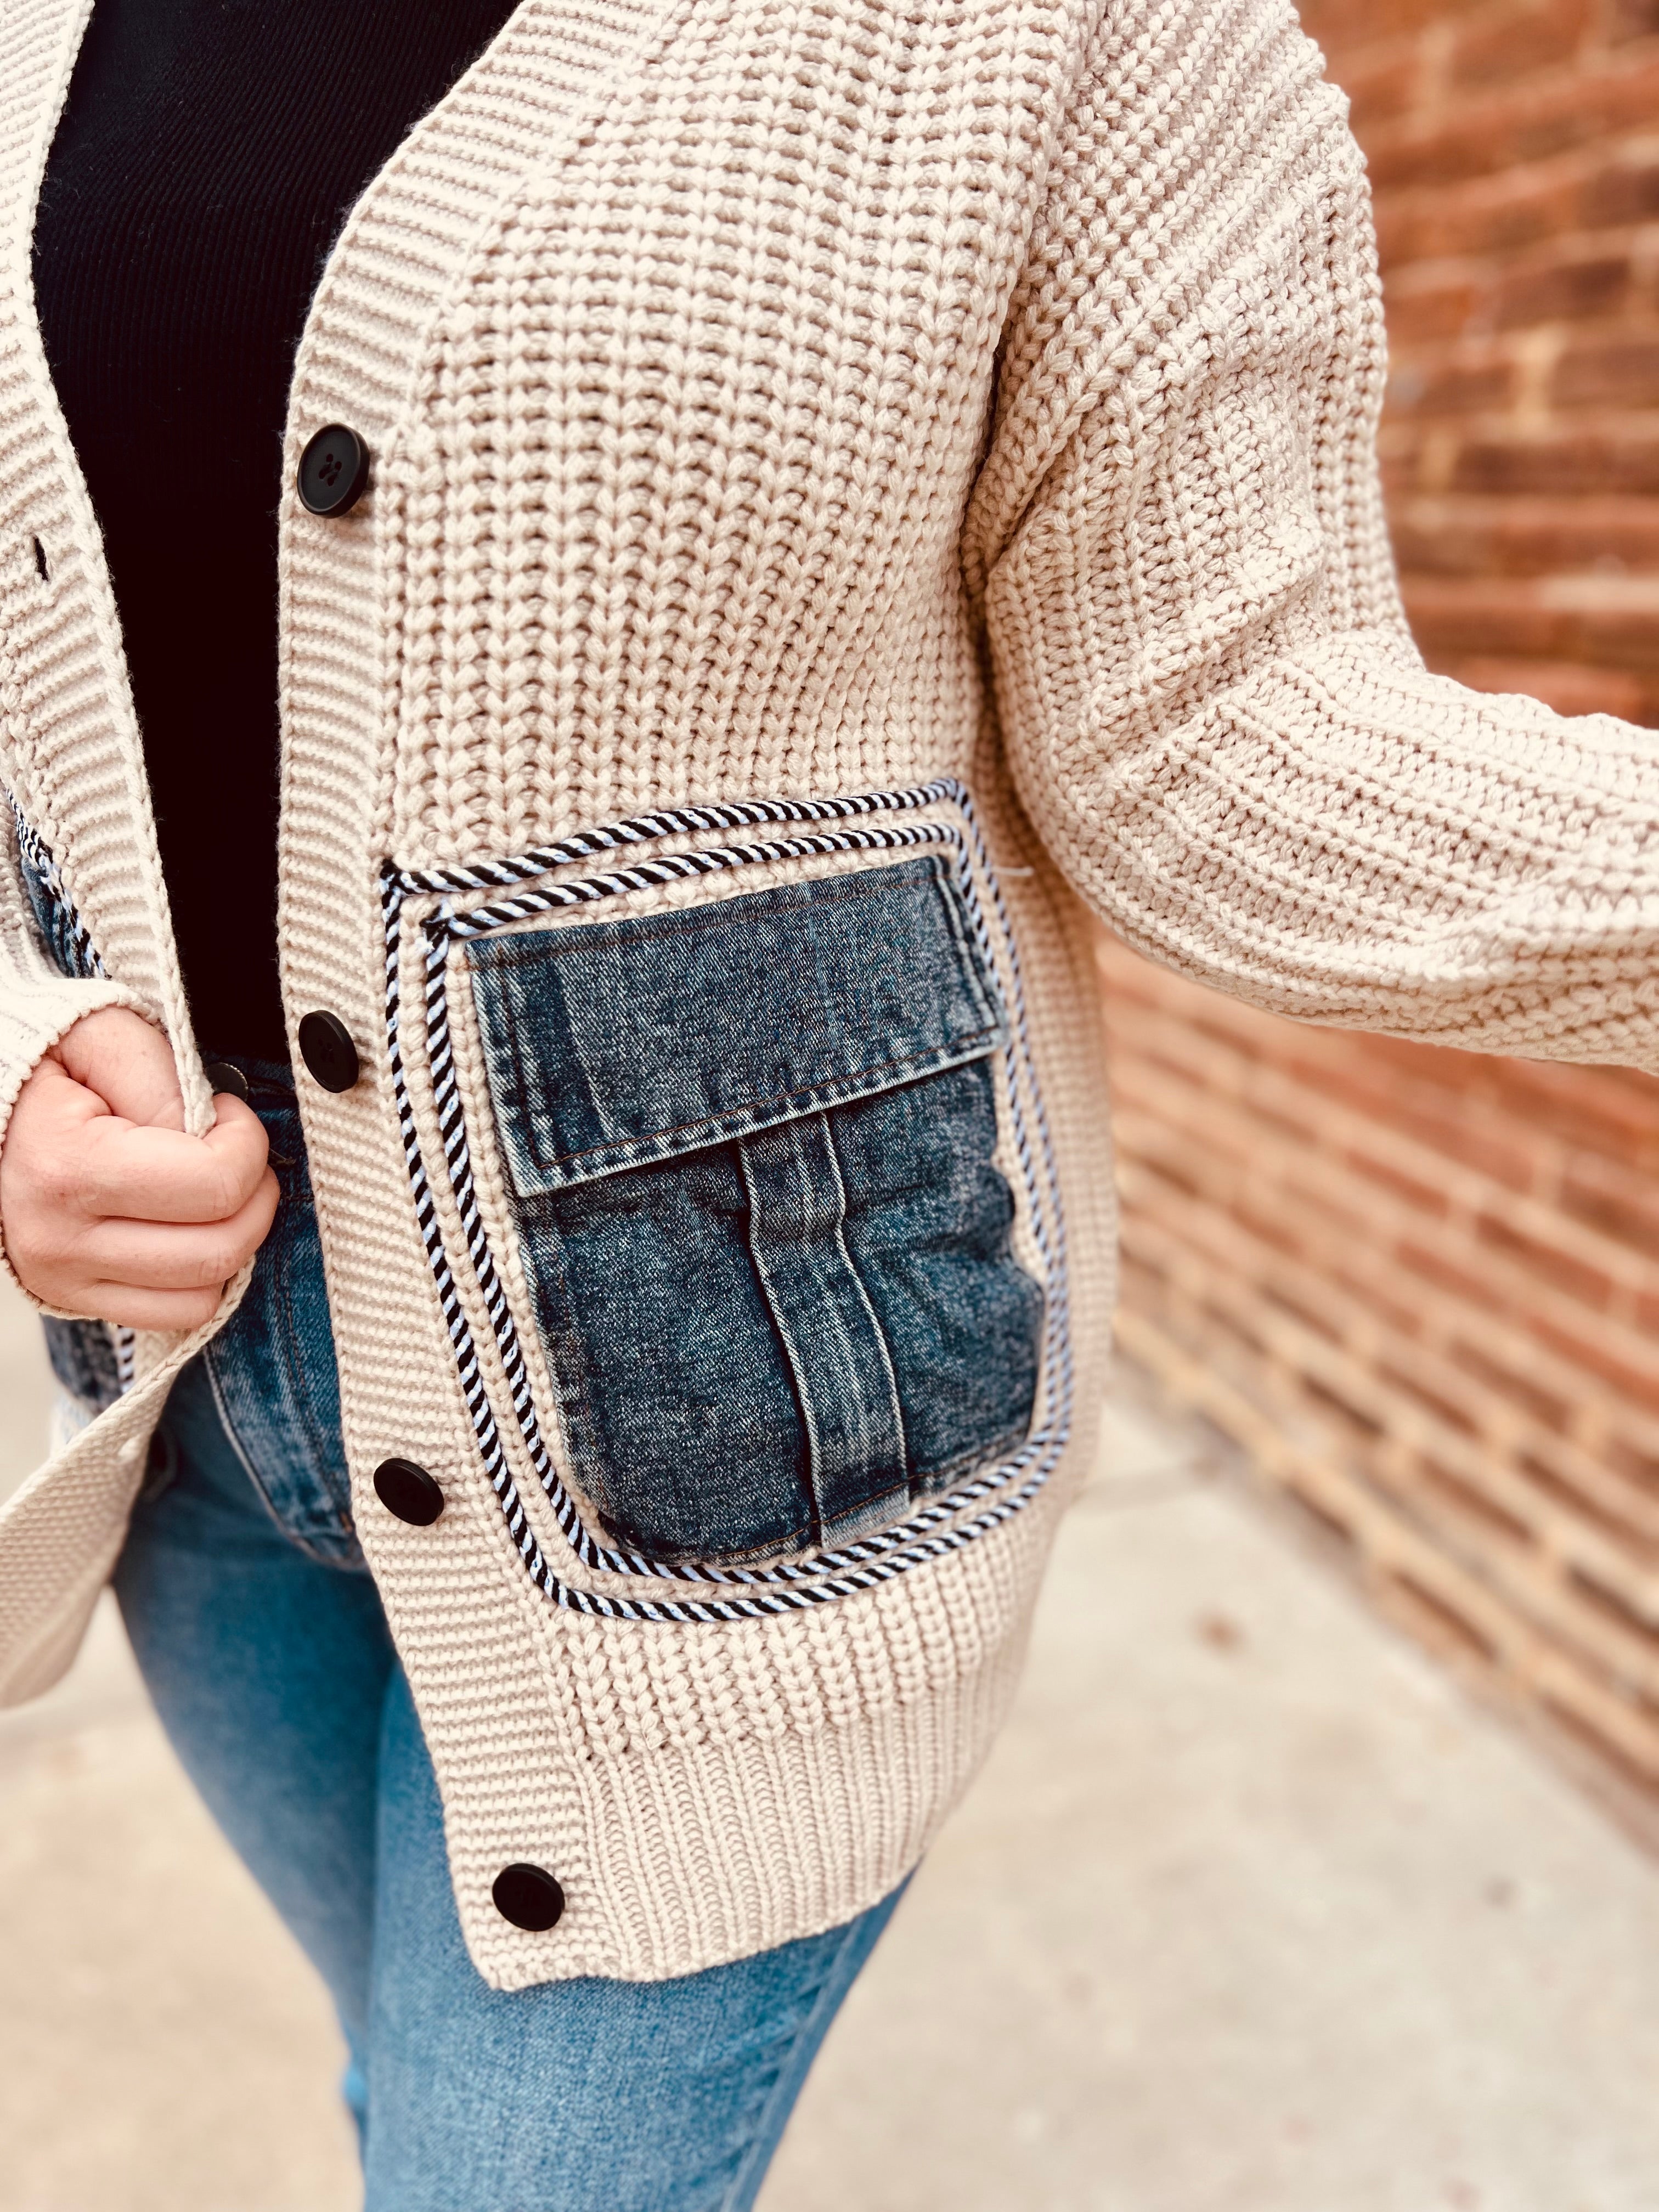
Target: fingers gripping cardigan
(804, 438)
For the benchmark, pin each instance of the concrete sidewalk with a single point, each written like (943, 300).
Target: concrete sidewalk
(1251, 1911)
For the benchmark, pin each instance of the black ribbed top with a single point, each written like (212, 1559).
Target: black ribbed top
(208, 154)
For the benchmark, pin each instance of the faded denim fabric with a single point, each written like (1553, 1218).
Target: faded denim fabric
(268, 1660)
(84, 1363)
(749, 1151)
(272, 1367)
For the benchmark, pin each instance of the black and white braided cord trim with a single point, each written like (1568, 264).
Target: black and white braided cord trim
(446, 927)
(37, 854)
(937, 1529)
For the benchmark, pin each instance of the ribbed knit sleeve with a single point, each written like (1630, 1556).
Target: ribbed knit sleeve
(1210, 699)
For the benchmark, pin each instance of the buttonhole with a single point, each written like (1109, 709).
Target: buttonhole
(40, 562)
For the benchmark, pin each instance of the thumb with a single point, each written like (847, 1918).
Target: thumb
(128, 1062)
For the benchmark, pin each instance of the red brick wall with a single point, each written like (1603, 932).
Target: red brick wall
(1422, 1287)
(1514, 150)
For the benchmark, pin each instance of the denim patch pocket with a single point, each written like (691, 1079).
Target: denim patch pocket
(748, 1149)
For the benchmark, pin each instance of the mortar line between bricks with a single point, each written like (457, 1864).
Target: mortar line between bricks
(1542, 1600)
(1565, 1377)
(1569, 1536)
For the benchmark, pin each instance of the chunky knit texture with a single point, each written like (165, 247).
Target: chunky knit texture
(207, 157)
(796, 401)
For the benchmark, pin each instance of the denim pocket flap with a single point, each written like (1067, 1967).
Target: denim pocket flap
(615, 1044)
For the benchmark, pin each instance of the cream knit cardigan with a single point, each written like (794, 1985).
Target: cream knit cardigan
(771, 398)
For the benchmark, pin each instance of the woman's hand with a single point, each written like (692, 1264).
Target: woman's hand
(108, 1208)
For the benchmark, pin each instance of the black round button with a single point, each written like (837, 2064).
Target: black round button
(326, 1049)
(223, 1076)
(408, 1491)
(333, 471)
(529, 1897)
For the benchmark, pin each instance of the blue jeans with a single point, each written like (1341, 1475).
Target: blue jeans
(262, 1640)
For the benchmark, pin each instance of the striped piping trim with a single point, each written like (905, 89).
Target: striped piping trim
(747, 1592)
(440, 932)
(37, 854)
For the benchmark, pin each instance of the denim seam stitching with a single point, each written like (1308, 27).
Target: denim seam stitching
(336, 1521)
(937, 1060)
(789, 1585)
(792, 1354)
(895, 1406)
(300, 1541)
